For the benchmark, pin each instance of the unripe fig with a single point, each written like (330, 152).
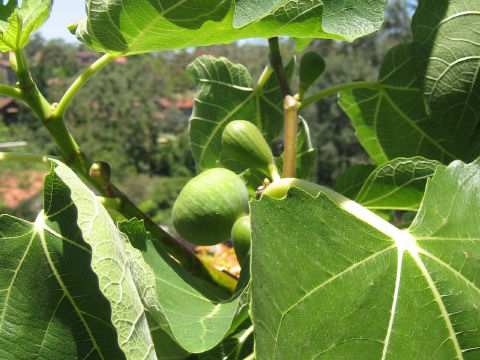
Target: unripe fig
(242, 237)
(244, 142)
(208, 206)
(101, 172)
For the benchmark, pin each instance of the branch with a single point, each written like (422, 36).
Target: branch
(25, 157)
(80, 81)
(337, 88)
(27, 87)
(10, 92)
(277, 66)
(290, 108)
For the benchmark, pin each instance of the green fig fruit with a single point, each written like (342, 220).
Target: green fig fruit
(244, 142)
(242, 238)
(208, 206)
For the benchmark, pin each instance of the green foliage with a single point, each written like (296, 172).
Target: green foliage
(392, 274)
(196, 23)
(155, 195)
(425, 97)
(398, 184)
(141, 278)
(49, 287)
(312, 66)
(17, 23)
(398, 280)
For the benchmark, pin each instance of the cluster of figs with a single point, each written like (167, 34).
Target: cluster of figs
(213, 206)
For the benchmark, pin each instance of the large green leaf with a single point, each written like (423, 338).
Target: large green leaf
(224, 92)
(336, 17)
(427, 101)
(17, 23)
(124, 278)
(367, 290)
(50, 304)
(397, 185)
(135, 26)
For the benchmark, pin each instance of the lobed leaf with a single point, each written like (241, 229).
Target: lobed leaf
(427, 99)
(205, 316)
(367, 290)
(124, 278)
(17, 23)
(397, 185)
(136, 26)
(50, 304)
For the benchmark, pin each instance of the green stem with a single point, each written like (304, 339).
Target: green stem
(266, 73)
(277, 66)
(28, 89)
(67, 145)
(241, 341)
(250, 357)
(273, 172)
(290, 107)
(335, 89)
(25, 157)
(80, 81)
(10, 92)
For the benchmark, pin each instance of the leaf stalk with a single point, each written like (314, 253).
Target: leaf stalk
(80, 81)
(277, 66)
(25, 157)
(337, 88)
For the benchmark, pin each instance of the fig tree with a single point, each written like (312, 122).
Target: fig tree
(242, 237)
(244, 142)
(208, 206)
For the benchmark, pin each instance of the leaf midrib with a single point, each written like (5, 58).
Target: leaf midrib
(39, 226)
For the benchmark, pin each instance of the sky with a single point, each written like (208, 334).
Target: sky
(64, 12)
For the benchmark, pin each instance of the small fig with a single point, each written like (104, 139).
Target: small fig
(208, 206)
(101, 172)
(244, 142)
(242, 238)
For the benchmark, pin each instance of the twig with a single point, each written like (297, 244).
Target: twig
(25, 157)
(80, 81)
(337, 88)
(277, 66)
(10, 92)
(290, 107)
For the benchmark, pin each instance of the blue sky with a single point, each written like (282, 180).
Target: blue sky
(64, 12)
